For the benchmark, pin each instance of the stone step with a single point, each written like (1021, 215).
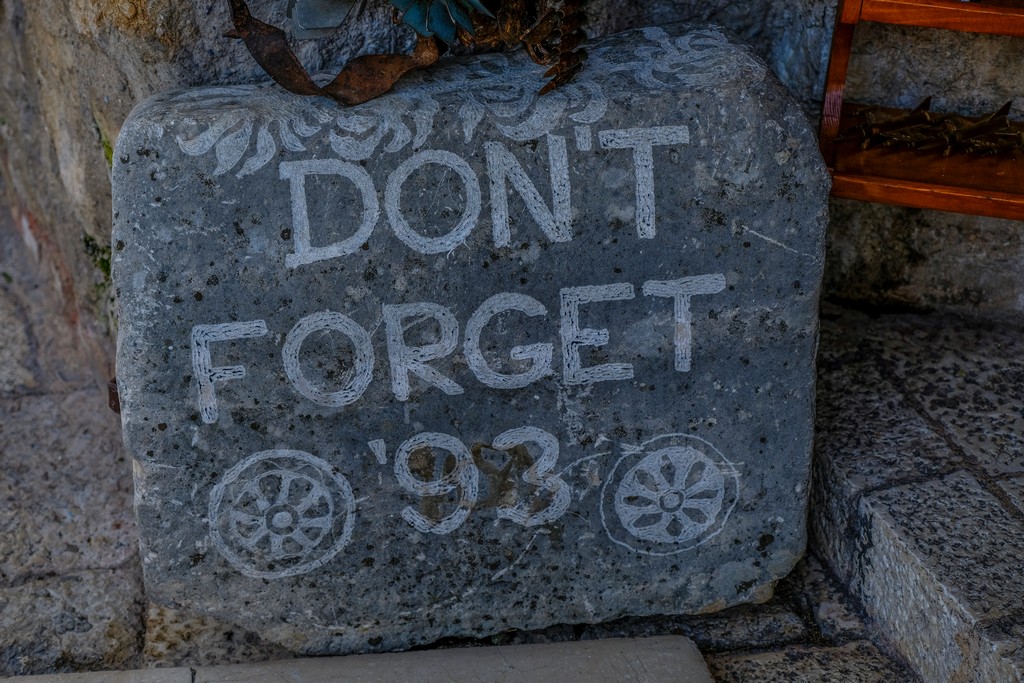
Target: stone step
(918, 493)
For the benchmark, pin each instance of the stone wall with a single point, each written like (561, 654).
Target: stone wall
(72, 70)
(908, 258)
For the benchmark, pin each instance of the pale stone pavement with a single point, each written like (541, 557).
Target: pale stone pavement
(70, 578)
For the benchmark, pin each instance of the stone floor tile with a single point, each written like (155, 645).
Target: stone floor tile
(668, 659)
(66, 485)
(83, 621)
(907, 606)
(830, 608)
(746, 626)
(968, 374)
(1014, 489)
(865, 427)
(867, 435)
(965, 537)
(867, 430)
(934, 559)
(1005, 638)
(859, 662)
(175, 638)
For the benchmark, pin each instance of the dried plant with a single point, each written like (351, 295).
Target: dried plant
(550, 30)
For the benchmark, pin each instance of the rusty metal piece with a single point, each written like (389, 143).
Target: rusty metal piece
(912, 136)
(514, 18)
(540, 40)
(113, 398)
(552, 37)
(941, 129)
(567, 57)
(360, 80)
(571, 23)
(918, 135)
(924, 131)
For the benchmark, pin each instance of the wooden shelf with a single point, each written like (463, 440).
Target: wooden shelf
(994, 185)
(975, 17)
(963, 183)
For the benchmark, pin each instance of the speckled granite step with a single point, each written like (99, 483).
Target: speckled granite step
(918, 495)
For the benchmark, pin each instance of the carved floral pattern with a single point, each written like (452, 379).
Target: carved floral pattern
(497, 87)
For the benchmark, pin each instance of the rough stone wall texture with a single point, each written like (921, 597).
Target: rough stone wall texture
(70, 71)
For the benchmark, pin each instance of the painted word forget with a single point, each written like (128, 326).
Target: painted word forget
(408, 360)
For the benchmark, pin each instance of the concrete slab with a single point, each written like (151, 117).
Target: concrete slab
(668, 659)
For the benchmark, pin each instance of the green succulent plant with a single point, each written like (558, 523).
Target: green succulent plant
(441, 18)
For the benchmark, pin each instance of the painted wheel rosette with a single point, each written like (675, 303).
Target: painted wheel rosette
(281, 513)
(672, 494)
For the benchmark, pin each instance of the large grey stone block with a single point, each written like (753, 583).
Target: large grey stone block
(463, 359)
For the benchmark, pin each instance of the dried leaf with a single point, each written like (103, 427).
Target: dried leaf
(268, 45)
(552, 37)
(368, 76)
(360, 80)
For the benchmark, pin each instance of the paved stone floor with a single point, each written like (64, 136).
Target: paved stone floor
(808, 632)
(70, 581)
(919, 484)
(916, 524)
